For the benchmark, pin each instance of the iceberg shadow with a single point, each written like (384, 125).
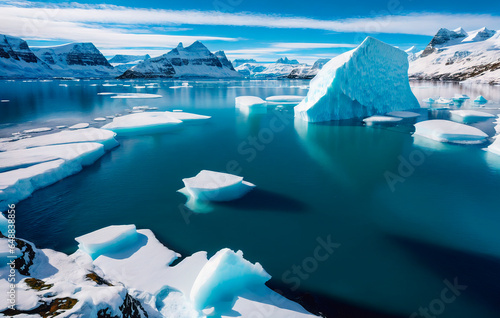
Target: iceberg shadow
(259, 199)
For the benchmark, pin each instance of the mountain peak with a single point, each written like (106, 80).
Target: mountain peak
(180, 46)
(285, 60)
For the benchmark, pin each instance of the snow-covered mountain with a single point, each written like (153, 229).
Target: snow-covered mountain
(193, 61)
(76, 60)
(459, 55)
(239, 62)
(18, 61)
(307, 71)
(413, 53)
(122, 62)
(281, 68)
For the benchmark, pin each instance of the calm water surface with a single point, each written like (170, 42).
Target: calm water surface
(316, 181)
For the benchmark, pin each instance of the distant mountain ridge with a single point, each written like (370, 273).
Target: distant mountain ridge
(459, 56)
(193, 61)
(282, 68)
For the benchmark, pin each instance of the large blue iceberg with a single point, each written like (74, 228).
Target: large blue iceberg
(372, 79)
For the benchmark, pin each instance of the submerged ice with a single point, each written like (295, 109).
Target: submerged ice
(371, 79)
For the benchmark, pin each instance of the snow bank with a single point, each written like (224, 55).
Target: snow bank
(216, 186)
(250, 101)
(102, 136)
(142, 123)
(403, 114)
(467, 115)
(373, 120)
(83, 153)
(448, 131)
(226, 274)
(371, 79)
(107, 240)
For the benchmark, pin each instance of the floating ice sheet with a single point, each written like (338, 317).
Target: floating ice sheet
(448, 131)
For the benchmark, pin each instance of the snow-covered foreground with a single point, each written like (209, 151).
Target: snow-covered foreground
(128, 273)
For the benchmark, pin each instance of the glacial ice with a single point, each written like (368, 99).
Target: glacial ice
(429, 100)
(466, 115)
(79, 126)
(461, 96)
(225, 274)
(250, 101)
(100, 119)
(448, 131)
(3, 225)
(215, 186)
(403, 114)
(142, 123)
(373, 120)
(101, 136)
(371, 79)
(480, 100)
(107, 240)
(495, 147)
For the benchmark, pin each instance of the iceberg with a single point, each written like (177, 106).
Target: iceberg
(216, 186)
(470, 115)
(102, 136)
(4, 225)
(461, 96)
(373, 120)
(142, 123)
(442, 100)
(225, 274)
(429, 100)
(403, 114)
(495, 147)
(448, 131)
(480, 100)
(107, 240)
(250, 101)
(371, 79)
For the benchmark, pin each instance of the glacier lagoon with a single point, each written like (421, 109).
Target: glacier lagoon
(400, 241)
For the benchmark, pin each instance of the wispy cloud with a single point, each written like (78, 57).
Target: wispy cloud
(413, 23)
(304, 45)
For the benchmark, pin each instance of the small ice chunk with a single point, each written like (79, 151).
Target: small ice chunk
(470, 115)
(285, 99)
(480, 100)
(110, 117)
(381, 120)
(442, 100)
(181, 86)
(177, 110)
(99, 119)
(461, 96)
(101, 136)
(37, 130)
(250, 101)
(80, 126)
(106, 93)
(448, 131)
(139, 87)
(140, 123)
(136, 95)
(109, 85)
(403, 114)
(223, 277)
(5, 101)
(61, 126)
(108, 239)
(216, 186)
(429, 100)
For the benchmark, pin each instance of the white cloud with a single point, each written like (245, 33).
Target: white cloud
(413, 23)
(303, 45)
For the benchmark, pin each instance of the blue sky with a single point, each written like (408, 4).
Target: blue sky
(260, 29)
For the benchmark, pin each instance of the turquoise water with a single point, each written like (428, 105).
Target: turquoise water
(394, 245)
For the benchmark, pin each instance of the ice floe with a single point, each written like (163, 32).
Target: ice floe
(107, 240)
(448, 131)
(101, 136)
(442, 100)
(226, 273)
(373, 120)
(429, 100)
(371, 79)
(250, 101)
(142, 123)
(215, 186)
(79, 126)
(100, 119)
(285, 99)
(403, 114)
(467, 115)
(37, 130)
